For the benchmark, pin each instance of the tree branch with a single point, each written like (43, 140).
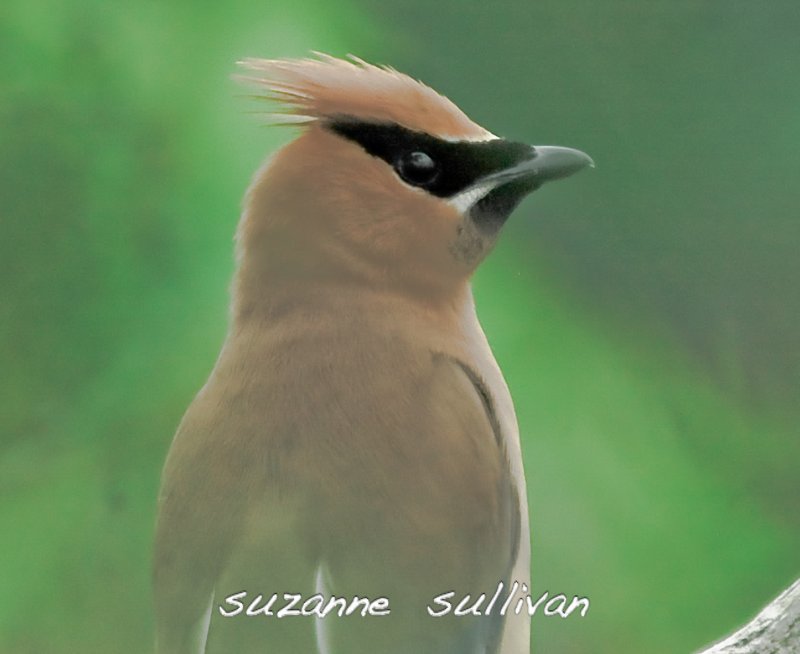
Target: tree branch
(776, 630)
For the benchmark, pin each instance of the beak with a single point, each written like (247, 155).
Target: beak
(547, 163)
(499, 192)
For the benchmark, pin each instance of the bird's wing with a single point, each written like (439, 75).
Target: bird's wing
(219, 529)
(490, 630)
(437, 511)
(193, 537)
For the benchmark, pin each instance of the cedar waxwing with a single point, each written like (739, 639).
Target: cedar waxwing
(355, 444)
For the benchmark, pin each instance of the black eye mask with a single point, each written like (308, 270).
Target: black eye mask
(442, 168)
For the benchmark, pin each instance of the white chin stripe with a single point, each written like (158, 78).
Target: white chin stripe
(465, 200)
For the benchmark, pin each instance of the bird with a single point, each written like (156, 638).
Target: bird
(356, 437)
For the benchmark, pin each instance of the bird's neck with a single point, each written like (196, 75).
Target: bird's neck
(336, 300)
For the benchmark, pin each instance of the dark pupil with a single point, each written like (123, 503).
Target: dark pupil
(417, 168)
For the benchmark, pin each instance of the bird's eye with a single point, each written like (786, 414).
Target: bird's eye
(417, 168)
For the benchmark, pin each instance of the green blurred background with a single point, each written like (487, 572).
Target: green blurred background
(645, 313)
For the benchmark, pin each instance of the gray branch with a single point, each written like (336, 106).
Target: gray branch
(776, 630)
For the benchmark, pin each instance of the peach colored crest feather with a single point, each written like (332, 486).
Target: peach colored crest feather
(313, 89)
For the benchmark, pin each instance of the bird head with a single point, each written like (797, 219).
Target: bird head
(389, 183)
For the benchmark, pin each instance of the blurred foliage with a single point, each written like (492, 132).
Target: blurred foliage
(645, 313)
(690, 111)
